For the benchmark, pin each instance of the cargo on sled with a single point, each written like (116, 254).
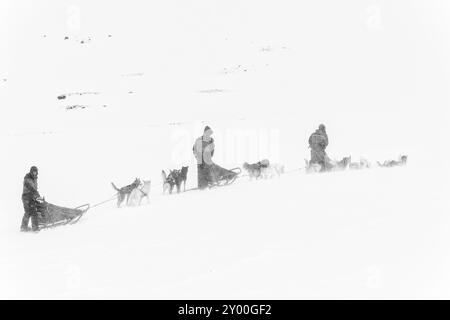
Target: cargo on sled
(50, 215)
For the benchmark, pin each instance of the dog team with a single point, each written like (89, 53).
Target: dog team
(209, 173)
(203, 150)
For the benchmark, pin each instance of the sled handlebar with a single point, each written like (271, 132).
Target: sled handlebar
(84, 207)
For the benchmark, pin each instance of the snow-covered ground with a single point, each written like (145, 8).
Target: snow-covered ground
(367, 234)
(263, 74)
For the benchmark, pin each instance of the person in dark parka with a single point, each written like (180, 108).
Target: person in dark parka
(203, 150)
(318, 142)
(30, 195)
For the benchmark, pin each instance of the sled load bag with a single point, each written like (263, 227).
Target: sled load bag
(221, 173)
(51, 214)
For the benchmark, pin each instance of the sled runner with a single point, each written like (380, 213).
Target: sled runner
(223, 176)
(50, 215)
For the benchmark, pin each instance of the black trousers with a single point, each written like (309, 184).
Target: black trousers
(203, 176)
(30, 208)
(319, 156)
(207, 175)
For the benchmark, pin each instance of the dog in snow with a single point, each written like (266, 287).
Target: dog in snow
(312, 167)
(341, 165)
(393, 163)
(168, 181)
(175, 178)
(272, 170)
(254, 170)
(124, 192)
(139, 193)
(362, 164)
(182, 177)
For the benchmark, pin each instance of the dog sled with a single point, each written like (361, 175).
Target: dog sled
(219, 177)
(222, 176)
(50, 215)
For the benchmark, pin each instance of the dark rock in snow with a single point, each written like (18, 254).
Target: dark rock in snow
(76, 106)
(66, 95)
(61, 97)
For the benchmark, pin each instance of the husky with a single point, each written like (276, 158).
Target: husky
(342, 164)
(183, 177)
(272, 170)
(362, 164)
(312, 167)
(392, 163)
(168, 181)
(139, 193)
(124, 192)
(254, 170)
(174, 179)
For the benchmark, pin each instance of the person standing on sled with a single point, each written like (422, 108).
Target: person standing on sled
(30, 197)
(318, 142)
(203, 150)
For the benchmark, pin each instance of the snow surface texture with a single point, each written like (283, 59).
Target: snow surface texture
(263, 75)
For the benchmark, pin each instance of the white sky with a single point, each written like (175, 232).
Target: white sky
(359, 66)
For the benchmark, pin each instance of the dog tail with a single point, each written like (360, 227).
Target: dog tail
(114, 186)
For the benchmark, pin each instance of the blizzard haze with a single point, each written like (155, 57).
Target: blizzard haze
(263, 74)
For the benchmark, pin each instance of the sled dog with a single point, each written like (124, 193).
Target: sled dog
(183, 177)
(392, 163)
(312, 167)
(124, 192)
(254, 170)
(167, 181)
(139, 193)
(272, 170)
(362, 164)
(342, 164)
(174, 179)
